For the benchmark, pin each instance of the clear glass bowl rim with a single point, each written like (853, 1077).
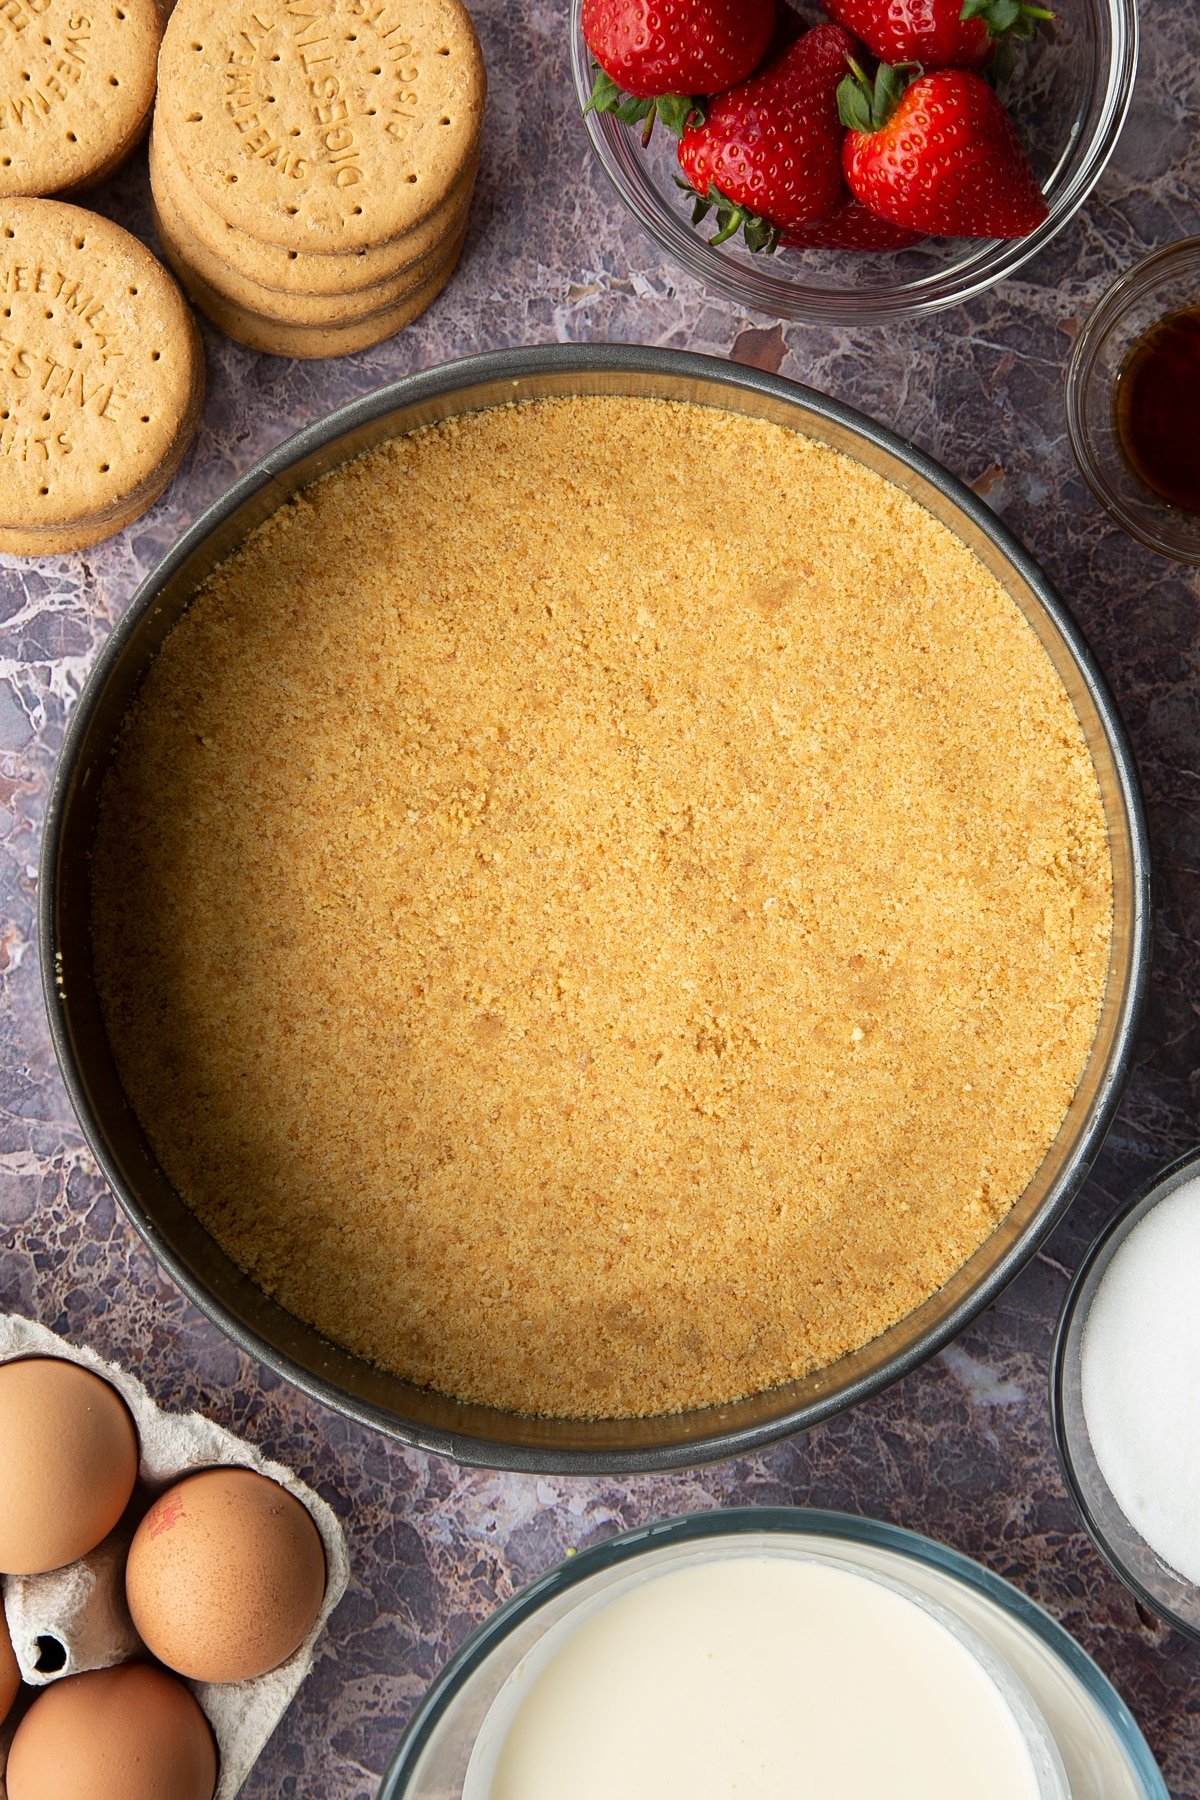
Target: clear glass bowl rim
(1128, 287)
(1142, 1201)
(787, 1521)
(990, 262)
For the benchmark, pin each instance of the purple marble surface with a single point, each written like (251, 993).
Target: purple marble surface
(962, 1448)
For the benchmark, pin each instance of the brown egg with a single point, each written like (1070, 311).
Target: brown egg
(10, 1675)
(226, 1575)
(130, 1733)
(68, 1462)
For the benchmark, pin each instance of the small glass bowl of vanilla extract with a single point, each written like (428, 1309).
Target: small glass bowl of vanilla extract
(1133, 401)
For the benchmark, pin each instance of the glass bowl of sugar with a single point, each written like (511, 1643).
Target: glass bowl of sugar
(1125, 1393)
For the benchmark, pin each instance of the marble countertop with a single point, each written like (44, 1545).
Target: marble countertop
(961, 1449)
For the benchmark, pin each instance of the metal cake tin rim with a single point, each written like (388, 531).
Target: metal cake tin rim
(516, 365)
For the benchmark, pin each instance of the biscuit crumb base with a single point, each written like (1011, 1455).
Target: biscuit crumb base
(601, 906)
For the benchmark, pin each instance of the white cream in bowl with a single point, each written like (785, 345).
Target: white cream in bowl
(760, 1677)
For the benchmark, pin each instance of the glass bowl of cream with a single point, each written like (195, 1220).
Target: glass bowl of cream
(771, 1653)
(1125, 1395)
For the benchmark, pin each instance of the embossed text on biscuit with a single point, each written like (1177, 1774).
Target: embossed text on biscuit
(28, 107)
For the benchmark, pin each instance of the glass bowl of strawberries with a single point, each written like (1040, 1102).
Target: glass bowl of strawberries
(863, 160)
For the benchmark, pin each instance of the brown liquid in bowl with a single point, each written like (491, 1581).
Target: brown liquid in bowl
(1156, 406)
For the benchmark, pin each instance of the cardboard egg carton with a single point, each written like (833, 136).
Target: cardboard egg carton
(76, 1618)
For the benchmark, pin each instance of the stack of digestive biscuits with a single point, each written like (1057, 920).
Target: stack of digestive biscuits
(101, 378)
(312, 163)
(78, 92)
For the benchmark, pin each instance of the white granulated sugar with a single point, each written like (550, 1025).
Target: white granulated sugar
(1140, 1371)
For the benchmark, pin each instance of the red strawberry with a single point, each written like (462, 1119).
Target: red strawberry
(657, 56)
(852, 227)
(768, 156)
(938, 34)
(939, 154)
